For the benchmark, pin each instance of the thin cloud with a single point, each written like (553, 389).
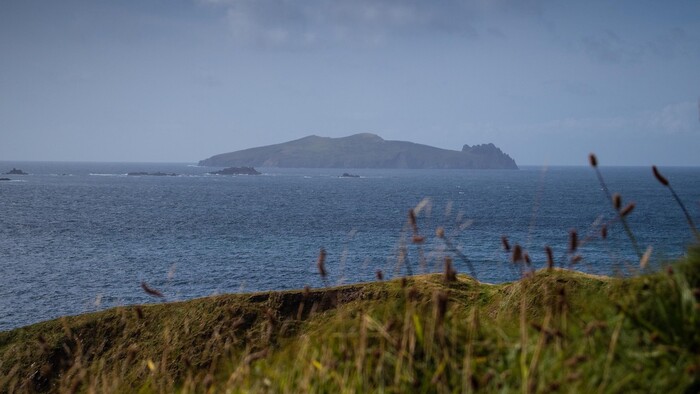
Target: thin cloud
(609, 47)
(278, 23)
(674, 43)
(676, 118)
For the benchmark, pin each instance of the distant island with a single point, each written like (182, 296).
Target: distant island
(363, 151)
(16, 171)
(237, 171)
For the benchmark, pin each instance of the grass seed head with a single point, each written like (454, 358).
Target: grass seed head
(139, 312)
(440, 232)
(550, 257)
(151, 291)
(617, 201)
(505, 243)
(662, 180)
(321, 263)
(380, 275)
(418, 239)
(517, 254)
(573, 241)
(450, 273)
(593, 160)
(412, 220)
(627, 209)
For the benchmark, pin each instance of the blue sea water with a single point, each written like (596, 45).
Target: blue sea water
(80, 237)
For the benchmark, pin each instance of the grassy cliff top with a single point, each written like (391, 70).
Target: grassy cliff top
(554, 330)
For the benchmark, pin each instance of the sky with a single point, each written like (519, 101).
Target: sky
(181, 80)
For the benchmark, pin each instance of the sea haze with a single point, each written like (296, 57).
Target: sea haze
(79, 237)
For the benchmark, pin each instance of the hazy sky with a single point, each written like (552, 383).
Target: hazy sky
(157, 80)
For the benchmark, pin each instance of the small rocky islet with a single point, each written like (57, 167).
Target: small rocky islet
(348, 175)
(236, 171)
(16, 171)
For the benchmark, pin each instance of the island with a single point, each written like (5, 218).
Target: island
(347, 175)
(237, 171)
(16, 171)
(142, 173)
(363, 151)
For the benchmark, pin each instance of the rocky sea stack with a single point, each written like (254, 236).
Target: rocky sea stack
(363, 151)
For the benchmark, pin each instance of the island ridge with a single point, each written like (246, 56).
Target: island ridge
(363, 151)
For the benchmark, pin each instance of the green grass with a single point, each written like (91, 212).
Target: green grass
(553, 331)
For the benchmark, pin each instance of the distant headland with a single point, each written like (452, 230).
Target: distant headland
(363, 151)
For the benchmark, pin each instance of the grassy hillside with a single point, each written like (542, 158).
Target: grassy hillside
(552, 331)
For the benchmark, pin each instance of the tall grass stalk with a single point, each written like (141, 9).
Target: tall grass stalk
(664, 181)
(616, 206)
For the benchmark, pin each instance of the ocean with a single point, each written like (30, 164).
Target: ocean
(81, 237)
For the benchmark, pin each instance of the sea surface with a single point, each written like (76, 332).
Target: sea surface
(80, 237)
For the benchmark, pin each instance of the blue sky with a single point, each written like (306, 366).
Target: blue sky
(155, 80)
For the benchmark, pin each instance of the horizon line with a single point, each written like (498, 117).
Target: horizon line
(541, 165)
